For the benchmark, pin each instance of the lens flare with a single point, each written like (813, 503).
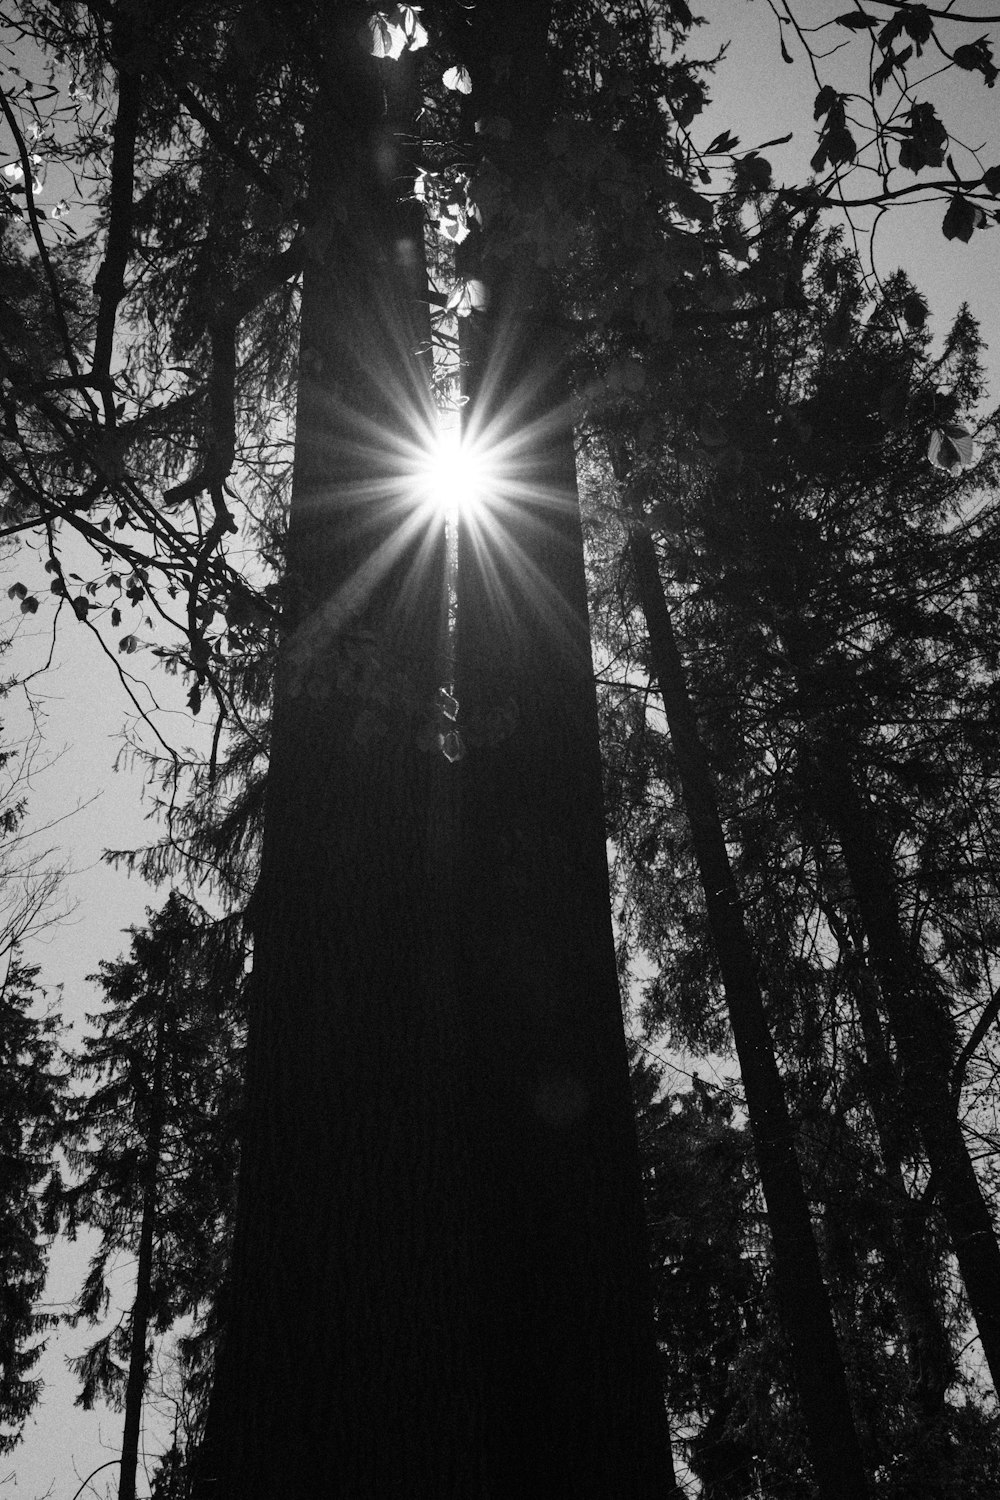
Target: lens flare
(453, 476)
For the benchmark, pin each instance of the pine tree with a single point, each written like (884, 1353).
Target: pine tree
(815, 482)
(155, 1152)
(32, 1090)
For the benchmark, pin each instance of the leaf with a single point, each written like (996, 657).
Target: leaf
(857, 20)
(452, 746)
(918, 25)
(991, 181)
(413, 28)
(915, 310)
(826, 100)
(448, 704)
(890, 31)
(29, 606)
(128, 645)
(194, 699)
(951, 448)
(785, 54)
(837, 146)
(454, 224)
(16, 591)
(925, 139)
(81, 607)
(384, 39)
(458, 80)
(752, 174)
(962, 219)
(977, 57)
(725, 142)
(885, 68)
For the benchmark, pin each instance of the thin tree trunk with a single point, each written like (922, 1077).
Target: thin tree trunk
(838, 1470)
(918, 1016)
(912, 1268)
(135, 1387)
(927, 1344)
(574, 1391)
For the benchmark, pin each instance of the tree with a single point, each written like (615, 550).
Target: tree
(763, 562)
(32, 1106)
(31, 1114)
(364, 844)
(155, 1151)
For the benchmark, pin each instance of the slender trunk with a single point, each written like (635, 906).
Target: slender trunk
(135, 1387)
(918, 1015)
(912, 1267)
(573, 1387)
(927, 1345)
(838, 1470)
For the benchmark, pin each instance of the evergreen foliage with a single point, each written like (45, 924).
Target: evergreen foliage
(32, 1098)
(795, 507)
(155, 1141)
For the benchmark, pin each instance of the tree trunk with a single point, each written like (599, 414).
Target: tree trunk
(135, 1387)
(912, 1269)
(838, 1470)
(920, 1021)
(351, 1362)
(573, 1381)
(416, 1307)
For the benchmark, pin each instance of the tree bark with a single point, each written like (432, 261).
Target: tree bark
(573, 1384)
(351, 1362)
(838, 1469)
(135, 1387)
(438, 1270)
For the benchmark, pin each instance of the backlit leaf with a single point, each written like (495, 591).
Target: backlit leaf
(458, 80)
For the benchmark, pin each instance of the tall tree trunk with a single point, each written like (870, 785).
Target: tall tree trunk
(574, 1388)
(920, 1021)
(838, 1470)
(351, 1362)
(135, 1387)
(416, 1307)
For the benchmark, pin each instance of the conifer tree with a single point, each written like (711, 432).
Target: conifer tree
(32, 1097)
(757, 546)
(155, 1152)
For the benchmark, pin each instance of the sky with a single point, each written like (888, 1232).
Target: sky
(83, 805)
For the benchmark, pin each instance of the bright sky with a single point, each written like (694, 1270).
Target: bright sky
(758, 97)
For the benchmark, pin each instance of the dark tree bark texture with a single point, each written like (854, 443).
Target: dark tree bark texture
(438, 1285)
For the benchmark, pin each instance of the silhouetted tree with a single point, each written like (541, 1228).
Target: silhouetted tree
(155, 1158)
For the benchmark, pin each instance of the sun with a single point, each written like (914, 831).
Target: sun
(453, 476)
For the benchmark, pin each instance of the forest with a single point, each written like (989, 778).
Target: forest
(560, 1057)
